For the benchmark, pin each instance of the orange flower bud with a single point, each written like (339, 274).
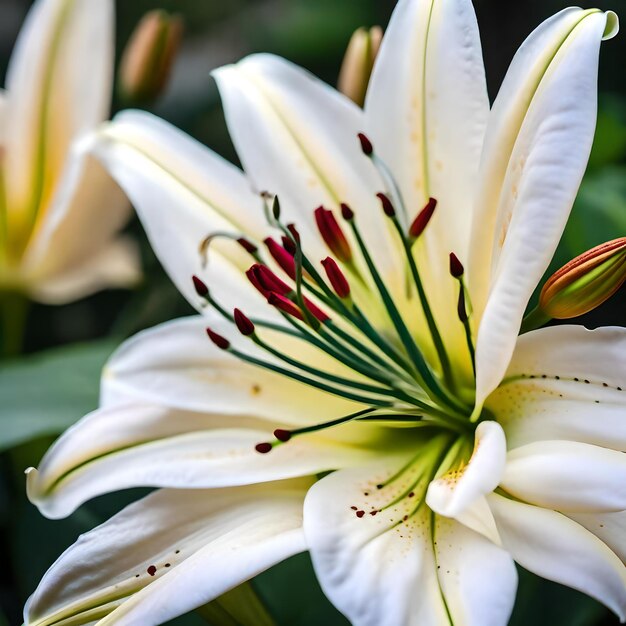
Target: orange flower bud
(358, 62)
(149, 55)
(586, 281)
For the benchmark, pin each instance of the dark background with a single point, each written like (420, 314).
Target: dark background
(313, 33)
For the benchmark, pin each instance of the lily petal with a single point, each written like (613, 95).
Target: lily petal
(536, 149)
(140, 445)
(452, 493)
(383, 569)
(478, 579)
(554, 547)
(565, 382)
(427, 110)
(59, 84)
(567, 476)
(116, 265)
(171, 552)
(297, 137)
(610, 527)
(183, 192)
(175, 365)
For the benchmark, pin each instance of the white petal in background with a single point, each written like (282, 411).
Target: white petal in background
(171, 552)
(542, 127)
(59, 84)
(554, 547)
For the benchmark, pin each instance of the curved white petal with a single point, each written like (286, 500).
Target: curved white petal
(536, 150)
(610, 527)
(478, 579)
(554, 547)
(378, 570)
(142, 445)
(297, 137)
(169, 553)
(567, 476)
(452, 493)
(427, 109)
(176, 365)
(115, 265)
(565, 382)
(183, 192)
(394, 567)
(59, 84)
(87, 210)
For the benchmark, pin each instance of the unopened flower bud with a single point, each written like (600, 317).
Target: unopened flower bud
(243, 323)
(586, 281)
(149, 56)
(358, 62)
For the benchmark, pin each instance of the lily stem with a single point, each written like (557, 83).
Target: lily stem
(13, 313)
(535, 319)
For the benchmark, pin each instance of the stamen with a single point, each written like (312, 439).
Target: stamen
(332, 234)
(421, 221)
(285, 305)
(264, 447)
(288, 244)
(336, 278)
(366, 144)
(282, 257)
(456, 267)
(243, 323)
(388, 207)
(457, 270)
(221, 342)
(200, 286)
(247, 245)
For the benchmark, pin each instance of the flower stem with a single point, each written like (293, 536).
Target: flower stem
(535, 319)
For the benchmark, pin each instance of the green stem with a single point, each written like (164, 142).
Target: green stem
(13, 314)
(535, 319)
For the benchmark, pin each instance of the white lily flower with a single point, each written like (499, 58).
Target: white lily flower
(440, 478)
(59, 208)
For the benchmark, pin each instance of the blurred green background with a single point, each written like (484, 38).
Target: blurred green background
(56, 384)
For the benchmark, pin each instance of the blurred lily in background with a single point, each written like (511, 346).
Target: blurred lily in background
(60, 212)
(382, 413)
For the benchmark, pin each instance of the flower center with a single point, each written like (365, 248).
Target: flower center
(388, 372)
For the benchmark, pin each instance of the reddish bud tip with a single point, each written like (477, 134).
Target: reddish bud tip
(332, 234)
(386, 204)
(289, 245)
(247, 246)
(200, 286)
(366, 144)
(294, 232)
(336, 278)
(270, 282)
(423, 217)
(284, 259)
(346, 212)
(221, 342)
(282, 435)
(253, 276)
(263, 448)
(243, 323)
(285, 305)
(456, 267)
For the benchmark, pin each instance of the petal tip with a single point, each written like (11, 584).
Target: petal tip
(612, 26)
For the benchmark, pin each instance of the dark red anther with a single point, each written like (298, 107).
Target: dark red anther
(388, 207)
(461, 305)
(289, 245)
(221, 342)
(336, 278)
(294, 233)
(243, 323)
(332, 234)
(346, 212)
(263, 448)
(247, 246)
(423, 217)
(282, 435)
(366, 144)
(285, 305)
(270, 282)
(200, 286)
(253, 276)
(456, 267)
(315, 311)
(282, 257)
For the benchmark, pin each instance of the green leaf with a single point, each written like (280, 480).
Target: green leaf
(45, 393)
(240, 606)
